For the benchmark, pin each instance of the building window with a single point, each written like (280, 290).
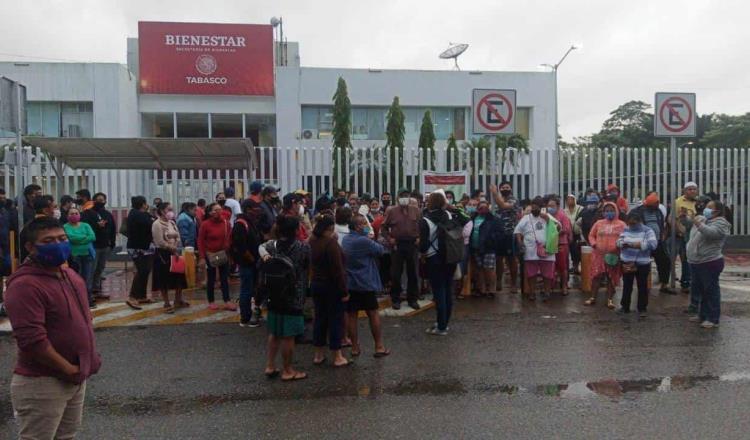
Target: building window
(369, 123)
(261, 129)
(60, 119)
(157, 125)
(226, 126)
(192, 125)
(523, 124)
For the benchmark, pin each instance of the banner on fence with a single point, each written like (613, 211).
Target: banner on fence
(456, 181)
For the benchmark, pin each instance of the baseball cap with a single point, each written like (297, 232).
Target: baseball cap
(301, 192)
(270, 189)
(256, 186)
(291, 198)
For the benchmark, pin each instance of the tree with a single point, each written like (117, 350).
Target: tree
(728, 131)
(394, 135)
(629, 125)
(475, 146)
(342, 130)
(453, 160)
(510, 148)
(427, 142)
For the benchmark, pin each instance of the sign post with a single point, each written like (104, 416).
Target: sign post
(674, 117)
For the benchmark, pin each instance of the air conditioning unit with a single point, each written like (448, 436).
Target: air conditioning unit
(309, 134)
(74, 131)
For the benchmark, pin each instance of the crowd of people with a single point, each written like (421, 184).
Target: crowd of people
(343, 250)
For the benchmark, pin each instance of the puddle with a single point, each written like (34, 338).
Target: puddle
(607, 388)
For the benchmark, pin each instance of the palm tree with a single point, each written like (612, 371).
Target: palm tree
(510, 148)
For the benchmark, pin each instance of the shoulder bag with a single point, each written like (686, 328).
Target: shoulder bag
(220, 258)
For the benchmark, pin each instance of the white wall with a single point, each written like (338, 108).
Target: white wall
(109, 86)
(316, 86)
(261, 105)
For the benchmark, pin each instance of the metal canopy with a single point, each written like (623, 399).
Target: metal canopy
(148, 153)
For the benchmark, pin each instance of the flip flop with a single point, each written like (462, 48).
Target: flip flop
(297, 376)
(381, 354)
(349, 362)
(356, 353)
(321, 362)
(272, 374)
(133, 305)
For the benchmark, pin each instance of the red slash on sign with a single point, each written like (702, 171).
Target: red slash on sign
(671, 119)
(491, 119)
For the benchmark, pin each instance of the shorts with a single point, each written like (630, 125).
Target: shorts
(540, 267)
(361, 300)
(506, 247)
(486, 261)
(283, 326)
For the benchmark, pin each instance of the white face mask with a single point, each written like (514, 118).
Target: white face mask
(403, 201)
(301, 210)
(56, 214)
(364, 209)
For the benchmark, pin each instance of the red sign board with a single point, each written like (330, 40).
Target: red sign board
(205, 58)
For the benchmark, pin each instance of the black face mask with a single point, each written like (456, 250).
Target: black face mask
(386, 203)
(275, 200)
(79, 202)
(222, 202)
(99, 205)
(536, 212)
(506, 192)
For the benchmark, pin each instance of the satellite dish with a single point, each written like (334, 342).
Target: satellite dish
(453, 52)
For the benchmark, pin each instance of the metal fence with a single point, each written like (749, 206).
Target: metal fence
(636, 171)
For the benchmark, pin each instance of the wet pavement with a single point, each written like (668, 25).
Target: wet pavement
(507, 370)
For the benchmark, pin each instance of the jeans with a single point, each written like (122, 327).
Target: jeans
(661, 257)
(86, 270)
(685, 272)
(247, 286)
(329, 316)
(641, 275)
(143, 265)
(405, 253)
(705, 292)
(211, 281)
(100, 262)
(440, 276)
(575, 250)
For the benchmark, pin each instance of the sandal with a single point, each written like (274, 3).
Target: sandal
(460, 296)
(133, 304)
(297, 376)
(181, 304)
(590, 302)
(349, 362)
(610, 304)
(381, 354)
(357, 352)
(146, 301)
(320, 362)
(272, 374)
(170, 310)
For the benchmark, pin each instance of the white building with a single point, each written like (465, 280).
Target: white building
(103, 100)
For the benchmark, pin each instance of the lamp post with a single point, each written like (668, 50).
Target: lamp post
(556, 172)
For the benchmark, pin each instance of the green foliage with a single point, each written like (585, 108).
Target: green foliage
(475, 146)
(510, 149)
(452, 153)
(728, 131)
(342, 129)
(427, 141)
(629, 125)
(394, 135)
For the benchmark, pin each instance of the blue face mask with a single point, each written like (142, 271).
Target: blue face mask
(53, 254)
(366, 230)
(551, 211)
(609, 215)
(708, 212)
(471, 209)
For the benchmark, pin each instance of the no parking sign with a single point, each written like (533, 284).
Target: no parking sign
(674, 115)
(493, 111)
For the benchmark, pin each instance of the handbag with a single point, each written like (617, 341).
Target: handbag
(611, 259)
(220, 258)
(541, 249)
(629, 268)
(177, 264)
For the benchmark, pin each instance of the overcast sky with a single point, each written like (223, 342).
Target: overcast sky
(630, 48)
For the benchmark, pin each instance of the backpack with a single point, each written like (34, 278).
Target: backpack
(278, 281)
(588, 218)
(450, 238)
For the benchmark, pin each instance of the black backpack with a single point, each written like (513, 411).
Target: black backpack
(450, 238)
(278, 281)
(588, 218)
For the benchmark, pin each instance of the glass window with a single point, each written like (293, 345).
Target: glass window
(325, 122)
(459, 123)
(376, 123)
(192, 125)
(523, 121)
(226, 126)
(77, 119)
(309, 118)
(261, 129)
(43, 118)
(158, 125)
(412, 122)
(442, 119)
(359, 123)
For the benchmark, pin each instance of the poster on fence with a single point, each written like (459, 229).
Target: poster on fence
(456, 181)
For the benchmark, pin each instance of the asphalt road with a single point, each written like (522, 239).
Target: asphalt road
(505, 371)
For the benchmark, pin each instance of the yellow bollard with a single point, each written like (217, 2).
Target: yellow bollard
(13, 256)
(586, 255)
(190, 266)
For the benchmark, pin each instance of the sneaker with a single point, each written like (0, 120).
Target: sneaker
(213, 306)
(231, 306)
(709, 324)
(414, 305)
(691, 310)
(396, 306)
(694, 319)
(545, 297)
(244, 323)
(643, 314)
(92, 306)
(622, 311)
(436, 332)
(254, 319)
